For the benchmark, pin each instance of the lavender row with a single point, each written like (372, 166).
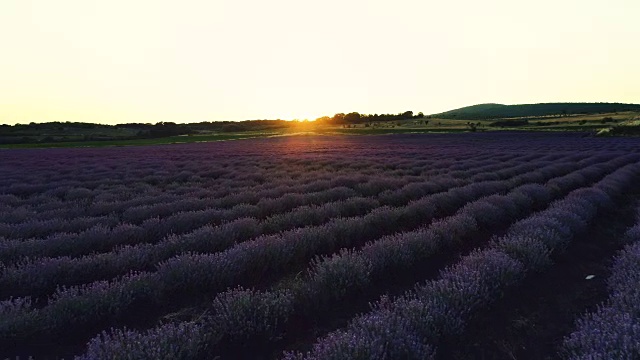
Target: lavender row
(102, 239)
(613, 330)
(148, 194)
(80, 192)
(238, 315)
(244, 170)
(112, 160)
(104, 185)
(271, 203)
(335, 279)
(138, 158)
(246, 263)
(268, 201)
(136, 214)
(330, 280)
(35, 228)
(40, 276)
(408, 326)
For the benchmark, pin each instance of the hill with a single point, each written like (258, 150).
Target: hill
(496, 111)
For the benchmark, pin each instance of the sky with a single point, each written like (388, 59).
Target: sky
(119, 61)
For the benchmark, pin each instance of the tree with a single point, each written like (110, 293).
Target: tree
(162, 129)
(352, 118)
(338, 118)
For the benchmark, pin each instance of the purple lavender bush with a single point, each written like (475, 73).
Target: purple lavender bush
(234, 317)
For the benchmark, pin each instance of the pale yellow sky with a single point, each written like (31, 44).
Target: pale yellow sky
(116, 61)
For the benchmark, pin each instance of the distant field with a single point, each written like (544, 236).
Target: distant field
(485, 245)
(582, 123)
(137, 142)
(361, 130)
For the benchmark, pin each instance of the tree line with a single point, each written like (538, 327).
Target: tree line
(357, 118)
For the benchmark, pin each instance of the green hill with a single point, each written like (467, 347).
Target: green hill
(496, 111)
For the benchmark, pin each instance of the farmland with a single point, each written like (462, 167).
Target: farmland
(410, 246)
(603, 119)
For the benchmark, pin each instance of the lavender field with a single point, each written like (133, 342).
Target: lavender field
(451, 246)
